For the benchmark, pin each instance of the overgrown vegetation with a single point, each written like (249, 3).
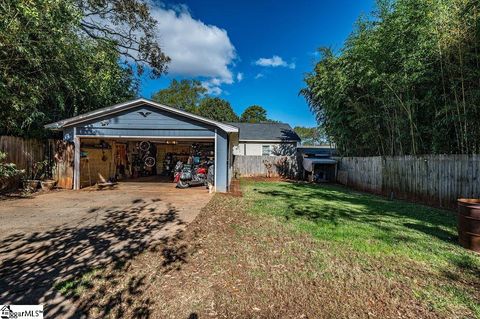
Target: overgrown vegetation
(60, 58)
(406, 81)
(312, 135)
(8, 169)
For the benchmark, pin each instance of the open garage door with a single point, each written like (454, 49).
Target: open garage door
(149, 160)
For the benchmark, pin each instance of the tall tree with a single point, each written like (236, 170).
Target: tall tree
(127, 23)
(406, 81)
(311, 135)
(254, 114)
(184, 94)
(217, 109)
(49, 71)
(54, 62)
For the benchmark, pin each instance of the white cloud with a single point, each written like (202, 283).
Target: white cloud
(213, 86)
(274, 61)
(239, 77)
(196, 49)
(259, 75)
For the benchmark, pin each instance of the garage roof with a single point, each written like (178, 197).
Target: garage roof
(266, 132)
(131, 104)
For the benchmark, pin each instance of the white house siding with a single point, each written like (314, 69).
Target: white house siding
(237, 150)
(255, 148)
(233, 146)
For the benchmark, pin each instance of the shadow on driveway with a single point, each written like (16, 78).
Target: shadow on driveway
(32, 264)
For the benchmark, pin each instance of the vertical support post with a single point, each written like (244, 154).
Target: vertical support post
(113, 169)
(76, 161)
(229, 162)
(215, 161)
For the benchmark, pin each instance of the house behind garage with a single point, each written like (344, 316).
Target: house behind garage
(265, 139)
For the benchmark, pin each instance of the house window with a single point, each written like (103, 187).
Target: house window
(266, 150)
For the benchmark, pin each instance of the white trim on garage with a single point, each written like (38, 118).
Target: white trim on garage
(145, 137)
(131, 104)
(76, 160)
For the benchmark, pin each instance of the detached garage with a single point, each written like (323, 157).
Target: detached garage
(143, 138)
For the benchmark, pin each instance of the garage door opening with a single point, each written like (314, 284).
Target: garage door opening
(140, 160)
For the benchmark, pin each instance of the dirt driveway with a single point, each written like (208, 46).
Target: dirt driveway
(56, 236)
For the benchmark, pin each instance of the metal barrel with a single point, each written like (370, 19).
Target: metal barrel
(469, 223)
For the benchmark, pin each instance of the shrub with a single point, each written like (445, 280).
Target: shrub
(8, 169)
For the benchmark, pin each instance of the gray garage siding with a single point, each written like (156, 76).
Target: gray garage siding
(156, 123)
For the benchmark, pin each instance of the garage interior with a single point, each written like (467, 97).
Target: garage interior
(139, 160)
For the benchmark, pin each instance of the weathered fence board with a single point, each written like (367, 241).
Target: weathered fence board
(273, 166)
(26, 152)
(363, 173)
(23, 152)
(434, 179)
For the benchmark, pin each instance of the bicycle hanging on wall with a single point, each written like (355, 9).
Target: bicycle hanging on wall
(146, 156)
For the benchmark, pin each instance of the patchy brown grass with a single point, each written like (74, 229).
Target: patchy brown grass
(229, 264)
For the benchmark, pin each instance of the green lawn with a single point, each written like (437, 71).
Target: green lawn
(405, 242)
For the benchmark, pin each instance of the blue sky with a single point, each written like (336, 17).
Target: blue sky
(252, 52)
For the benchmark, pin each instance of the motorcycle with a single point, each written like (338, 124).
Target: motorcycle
(177, 171)
(188, 175)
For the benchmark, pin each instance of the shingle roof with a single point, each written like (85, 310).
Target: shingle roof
(266, 132)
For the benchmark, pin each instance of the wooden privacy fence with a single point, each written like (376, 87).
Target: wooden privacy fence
(24, 153)
(362, 173)
(266, 166)
(433, 179)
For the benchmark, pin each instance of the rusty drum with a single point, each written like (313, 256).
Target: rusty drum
(469, 223)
